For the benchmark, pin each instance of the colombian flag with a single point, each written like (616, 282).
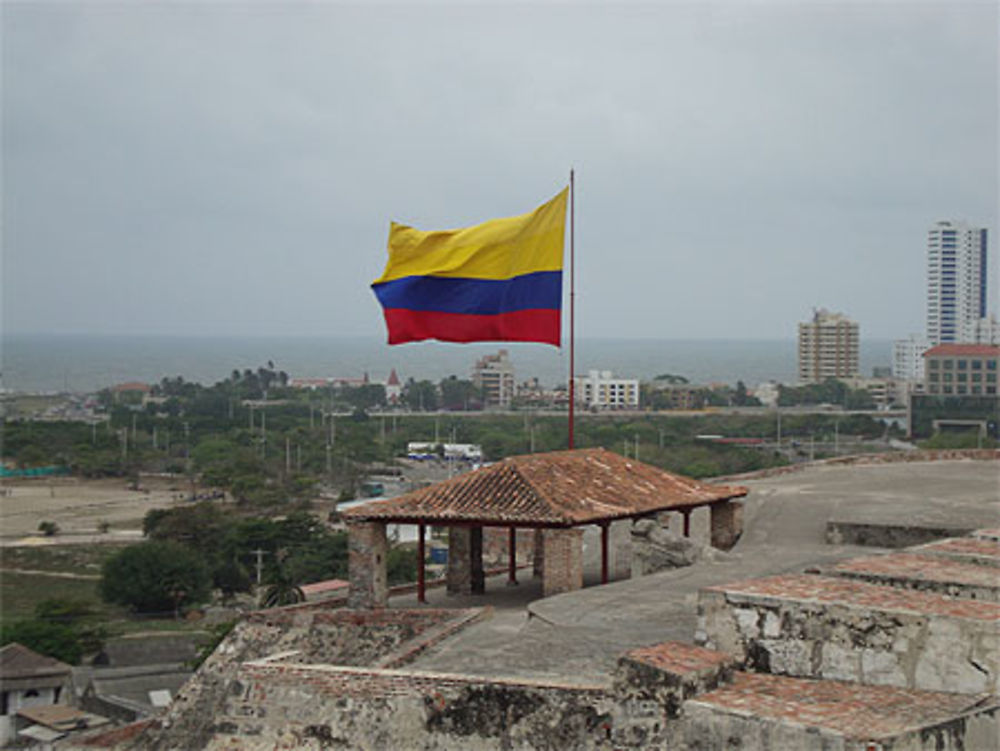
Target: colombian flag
(497, 281)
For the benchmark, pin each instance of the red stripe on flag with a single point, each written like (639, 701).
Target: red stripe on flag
(519, 326)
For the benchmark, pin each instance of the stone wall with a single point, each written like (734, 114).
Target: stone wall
(321, 707)
(891, 457)
(896, 535)
(301, 634)
(820, 627)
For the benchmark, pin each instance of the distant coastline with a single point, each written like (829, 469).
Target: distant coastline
(81, 363)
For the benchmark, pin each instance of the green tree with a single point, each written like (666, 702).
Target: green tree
(458, 394)
(420, 395)
(155, 577)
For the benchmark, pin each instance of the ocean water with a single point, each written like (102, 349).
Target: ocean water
(82, 363)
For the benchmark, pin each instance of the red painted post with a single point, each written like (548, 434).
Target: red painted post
(604, 552)
(512, 557)
(687, 523)
(421, 589)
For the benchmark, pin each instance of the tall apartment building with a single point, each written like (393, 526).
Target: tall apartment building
(599, 389)
(956, 280)
(494, 376)
(982, 331)
(828, 347)
(908, 358)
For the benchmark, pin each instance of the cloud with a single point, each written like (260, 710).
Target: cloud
(232, 168)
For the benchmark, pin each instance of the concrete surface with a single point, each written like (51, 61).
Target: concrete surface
(579, 635)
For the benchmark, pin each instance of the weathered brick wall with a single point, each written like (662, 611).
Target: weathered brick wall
(823, 627)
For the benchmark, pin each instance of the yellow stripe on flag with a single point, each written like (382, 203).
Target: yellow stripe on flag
(496, 249)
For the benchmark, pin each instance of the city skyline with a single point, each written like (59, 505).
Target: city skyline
(232, 169)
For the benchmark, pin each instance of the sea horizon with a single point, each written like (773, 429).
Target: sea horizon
(47, 362)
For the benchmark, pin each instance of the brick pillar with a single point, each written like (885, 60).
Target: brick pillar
(465, 561)
(458, 576)
(367, 550)
(726, 524)
(563, 560)
(538, 558)
(476, 574)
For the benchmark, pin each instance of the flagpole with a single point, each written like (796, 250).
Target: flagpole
(572, 307)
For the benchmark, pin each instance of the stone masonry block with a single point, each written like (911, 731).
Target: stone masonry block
(367, 549)
(822, 627)
(726, 524)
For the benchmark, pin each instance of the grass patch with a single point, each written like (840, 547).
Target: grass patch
(21, 593)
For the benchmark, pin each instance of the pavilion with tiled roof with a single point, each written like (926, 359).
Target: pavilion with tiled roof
(554, 493)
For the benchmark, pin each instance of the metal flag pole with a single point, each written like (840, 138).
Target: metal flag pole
(572, 308)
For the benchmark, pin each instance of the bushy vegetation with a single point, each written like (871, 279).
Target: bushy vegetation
(65, 629)
(831, 391)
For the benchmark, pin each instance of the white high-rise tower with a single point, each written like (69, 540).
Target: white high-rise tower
(956, 279)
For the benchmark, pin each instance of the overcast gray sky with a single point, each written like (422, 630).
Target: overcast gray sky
(232, 168)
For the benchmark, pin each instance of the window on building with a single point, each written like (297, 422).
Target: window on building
(977, 364)
(947, 390)
(963, 364)
(977, 389)
(948, 364)
(962, 377)
(948, 377)
(991, 389)
(991, 377)
(934, 364)
(991, 364)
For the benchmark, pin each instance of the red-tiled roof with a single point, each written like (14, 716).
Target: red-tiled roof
(681, 659)
(856, 711)
(329, 585)
(23, 668)
(561, 488)
(921, 568)
(17, 661)
(850, 593)
(963, 350)
(132, 386)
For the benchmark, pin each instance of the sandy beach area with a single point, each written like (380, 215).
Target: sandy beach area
(81, 508)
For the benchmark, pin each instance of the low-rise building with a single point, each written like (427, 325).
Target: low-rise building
(962, 369)
(599, 389)
(28, 680)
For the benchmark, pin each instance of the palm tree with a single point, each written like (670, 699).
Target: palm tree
(282, 589)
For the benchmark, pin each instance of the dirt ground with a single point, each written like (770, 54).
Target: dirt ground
(80, 507)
